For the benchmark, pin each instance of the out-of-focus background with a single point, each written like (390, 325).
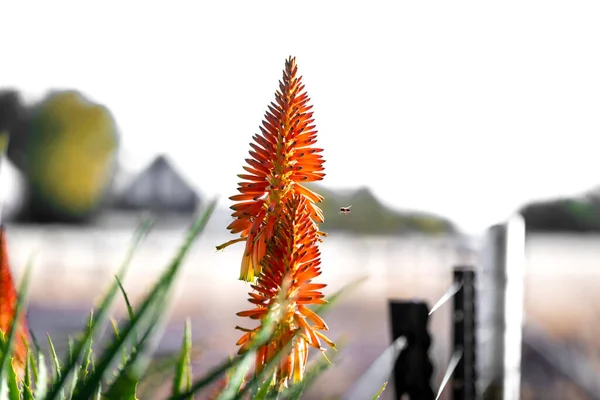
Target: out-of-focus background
(438, 120)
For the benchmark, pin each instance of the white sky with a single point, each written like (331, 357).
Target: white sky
(436, 105)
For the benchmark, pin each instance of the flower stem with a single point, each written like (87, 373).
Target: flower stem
(229, 243)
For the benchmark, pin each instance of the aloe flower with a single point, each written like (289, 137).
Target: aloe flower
(278, 219)
(8, 303)
(282, 157)
(291, 262)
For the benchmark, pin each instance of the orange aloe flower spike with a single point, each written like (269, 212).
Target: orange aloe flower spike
(290, 264)
(8, 304)
(283, 157)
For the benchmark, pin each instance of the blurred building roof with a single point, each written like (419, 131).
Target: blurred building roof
(160, 189)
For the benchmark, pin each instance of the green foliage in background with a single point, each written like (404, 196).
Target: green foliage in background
(69, 155)
(66, 148)
(124, 367)
(369, 216)
(579, 215)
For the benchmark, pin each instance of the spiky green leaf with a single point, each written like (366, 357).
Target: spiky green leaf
(183, 373)
(71, 364)
(156, 296)
(378, 394)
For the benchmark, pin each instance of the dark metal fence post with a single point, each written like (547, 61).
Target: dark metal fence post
(464, 377)
(413, 368)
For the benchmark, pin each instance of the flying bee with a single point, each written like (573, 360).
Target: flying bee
(345, 210)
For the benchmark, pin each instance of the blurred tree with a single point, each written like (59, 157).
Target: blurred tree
(563, 215)
(13, 114)
(66, 148)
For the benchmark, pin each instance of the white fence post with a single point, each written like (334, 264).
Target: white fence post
(500, 310)
(513, 306)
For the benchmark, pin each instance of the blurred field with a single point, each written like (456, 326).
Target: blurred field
(74, 265)
(562, 298)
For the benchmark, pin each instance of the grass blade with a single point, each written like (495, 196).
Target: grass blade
(239, 374)
(378, 394)
(101, 315)
(27, 394)
(263, 335)
(296, 390)
(264, 379)
(83, 370)
(3, 388)
(264, 391)
(237, 378)
(32, 357)
(57, 371)
(125, 386)
(132, 371)
(74, 376)
(41, 382)
(377, 372)
(183, 372)
(207, 379)
(138, 363)
(98, 394)
(260, 382)
(129, 308)
(335, 297)
(86, 389)
(158, 371)
(115, 327)
(13, 383)
(54, 358)
(155, 296)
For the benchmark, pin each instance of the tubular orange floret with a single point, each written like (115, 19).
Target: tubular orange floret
(8, 304)
(290, 264)
(282, 157)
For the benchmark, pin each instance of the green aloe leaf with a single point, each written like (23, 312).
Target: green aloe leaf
(378, 394)
(71, 364)
(41, 381)
(262, 336)
(183, 373)
(13, 383)
(156, 296)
